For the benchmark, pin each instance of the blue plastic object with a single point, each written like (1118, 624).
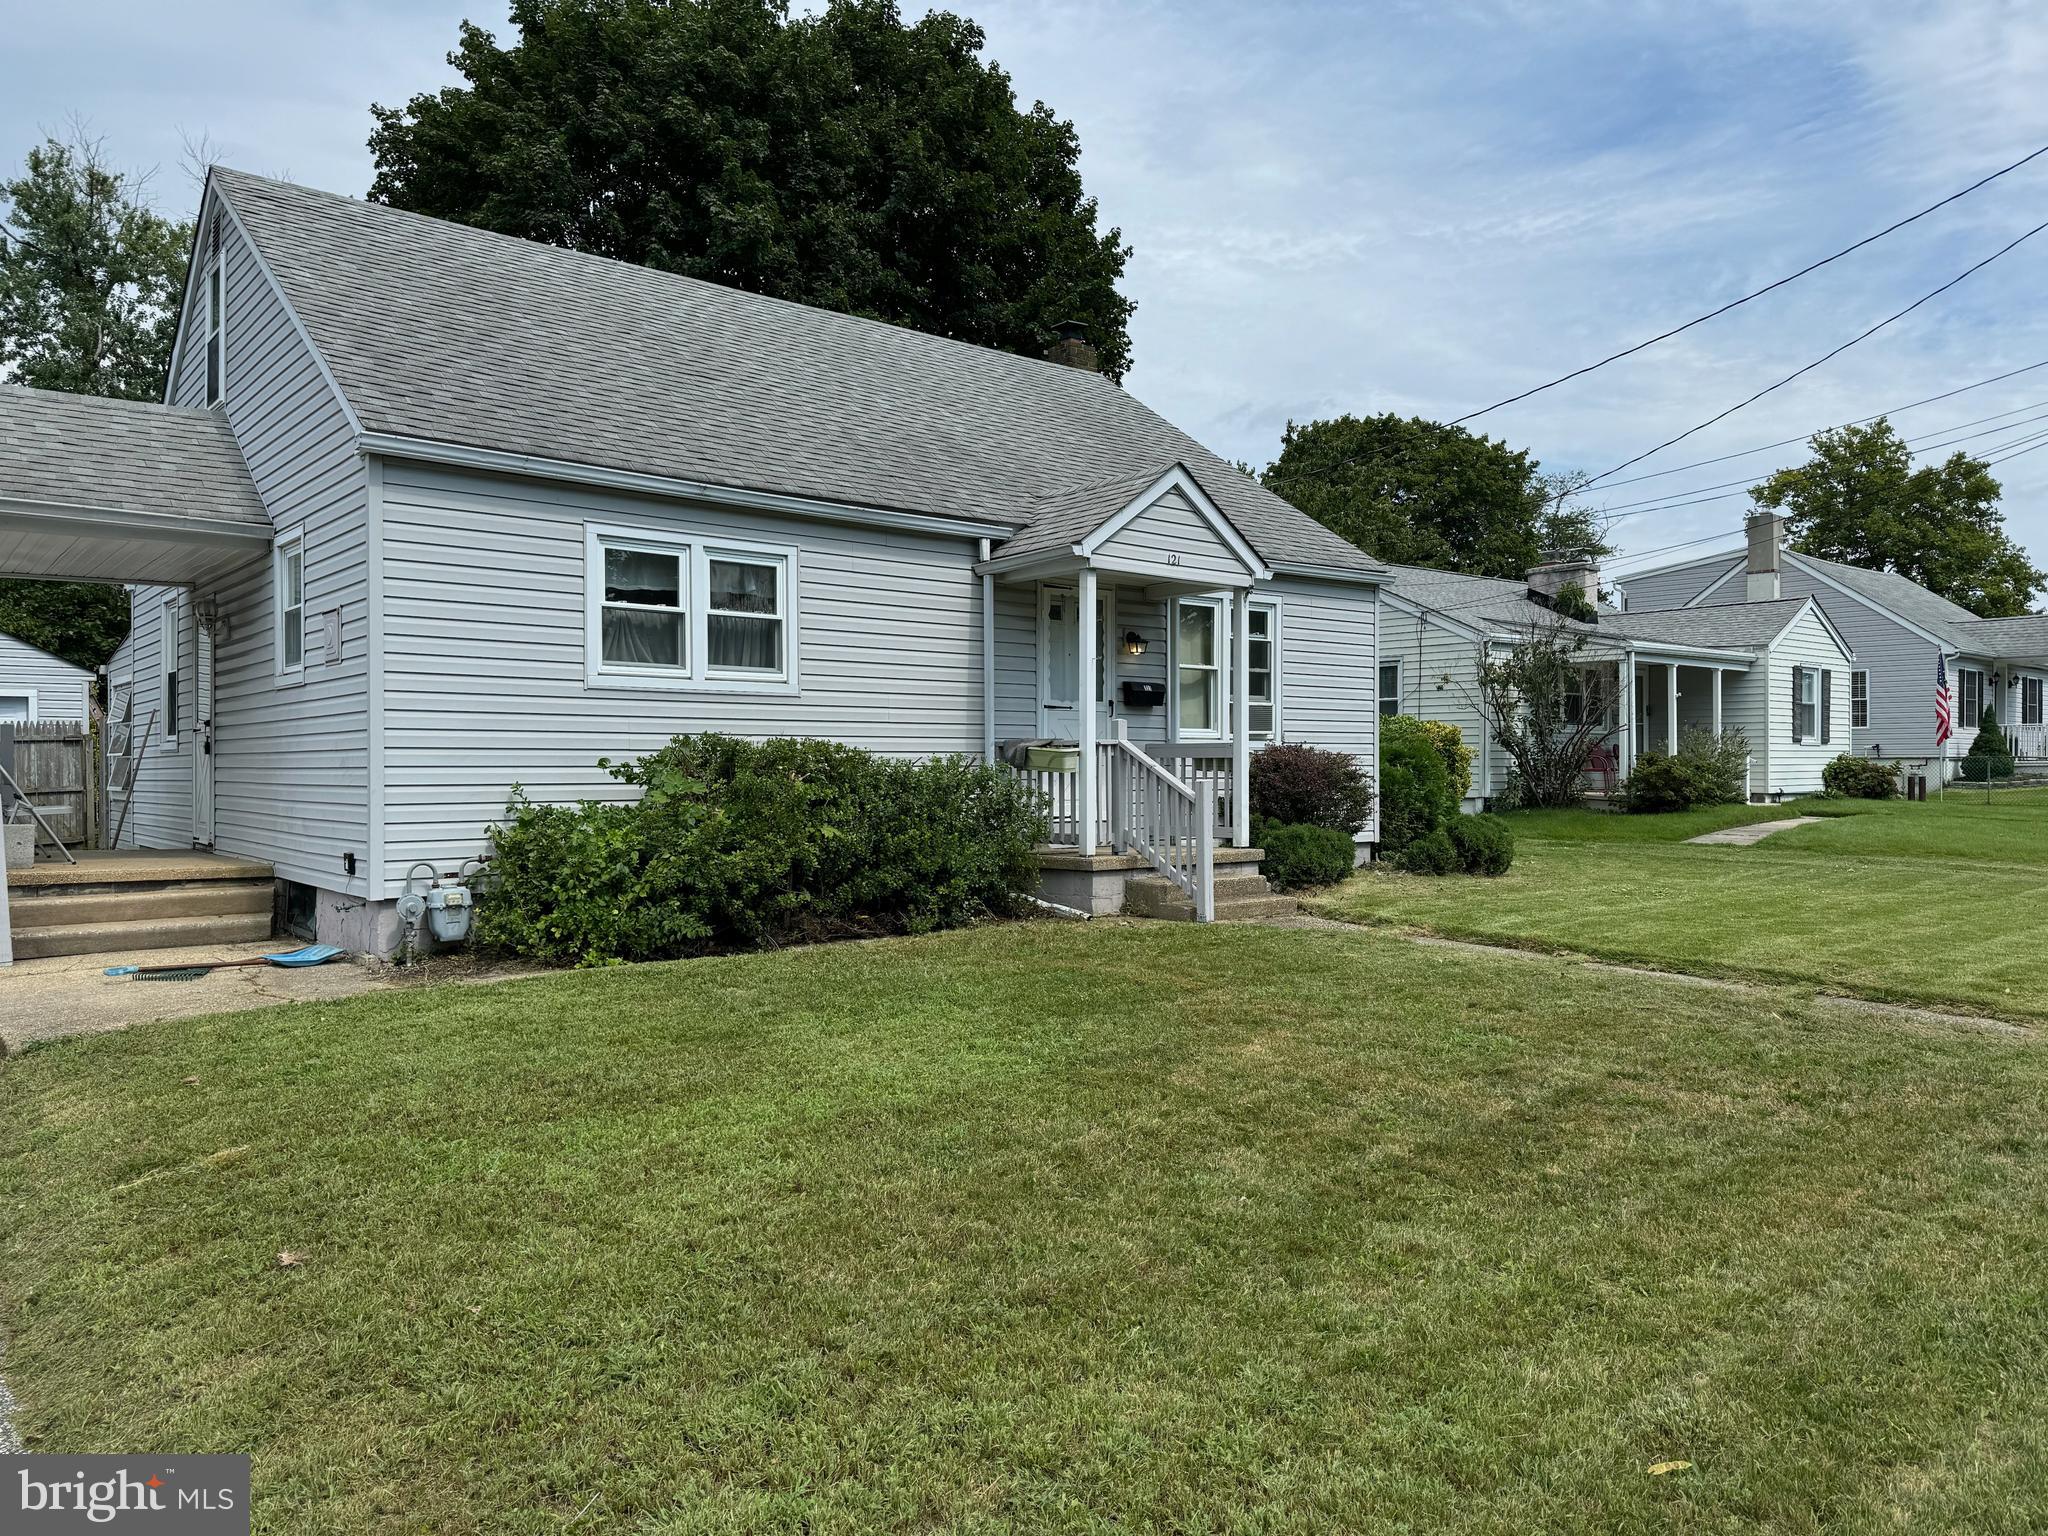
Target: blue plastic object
(312, 954)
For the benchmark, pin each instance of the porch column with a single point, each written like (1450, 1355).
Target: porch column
(1717, 700)
(1671, 707)
(1626, 693)
(1240, 719)
(1090, 790)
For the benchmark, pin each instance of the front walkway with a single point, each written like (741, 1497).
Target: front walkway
(1755, 832)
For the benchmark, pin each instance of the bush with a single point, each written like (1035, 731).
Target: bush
(1431, 854)
(1299, 855)
(1860, 778)
(1484, 844)
(1990, 755)
(1415, 791)
(1449, 742)
(1705, 770)
(1306, 786)
(737, 844)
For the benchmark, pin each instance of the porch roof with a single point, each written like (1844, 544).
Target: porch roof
(2024, 638)
(93, 489)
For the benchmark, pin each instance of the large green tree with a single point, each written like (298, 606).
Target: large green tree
(91, 280)
(1421, 493)
(844, 159)
(1860, 501)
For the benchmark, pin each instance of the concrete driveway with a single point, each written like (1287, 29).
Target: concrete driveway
(70, 995)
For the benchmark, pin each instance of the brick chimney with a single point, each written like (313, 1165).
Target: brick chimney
(1072, 348)
(1766, 532)
(1550, 578)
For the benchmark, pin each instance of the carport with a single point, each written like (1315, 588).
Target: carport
(132, 493)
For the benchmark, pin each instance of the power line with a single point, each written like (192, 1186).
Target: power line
(1769, 288)
(1665, 549)
(1817, 362)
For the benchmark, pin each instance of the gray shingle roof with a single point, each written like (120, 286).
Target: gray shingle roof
(123, 455)
(1728, 626)
(1901, 594)
(440, 331)
(2018, 638)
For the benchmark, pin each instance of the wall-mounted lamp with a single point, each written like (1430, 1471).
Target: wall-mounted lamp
(1134, 643)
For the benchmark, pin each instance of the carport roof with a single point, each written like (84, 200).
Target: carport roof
(121, 490)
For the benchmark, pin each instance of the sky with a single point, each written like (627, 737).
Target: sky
(1410, 207)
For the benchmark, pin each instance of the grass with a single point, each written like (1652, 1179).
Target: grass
(1936, 903)
(1048, 1229)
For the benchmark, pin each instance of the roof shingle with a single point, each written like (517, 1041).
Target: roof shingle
(132, 456)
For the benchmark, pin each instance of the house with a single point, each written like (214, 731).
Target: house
(1776, 670)
(34, 685)
(1898, 628)
(429, 512)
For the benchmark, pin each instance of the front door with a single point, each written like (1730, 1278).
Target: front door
(1059, 664)
(202, 729)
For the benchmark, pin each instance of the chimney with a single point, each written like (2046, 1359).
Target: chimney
(1766, 532)
(1548, 580)
(1072, 348)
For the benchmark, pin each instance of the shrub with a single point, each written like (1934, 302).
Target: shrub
(738, 844)
(1990, 755)
(1705, 770)
(1299, 855)
(1860, 778)
(1431, 854)
(1415, 792)
(1484, 844)
(1449, 742)
(1306, 786)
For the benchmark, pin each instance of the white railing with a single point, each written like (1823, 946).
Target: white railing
(2029, 741)
(1209, 763)
(1060, 789)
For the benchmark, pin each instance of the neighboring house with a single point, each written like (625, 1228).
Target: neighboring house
(430, 512)
(1777, 671)
(34, 685)
(1898, 629)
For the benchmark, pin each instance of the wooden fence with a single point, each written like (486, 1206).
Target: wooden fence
(52, 761)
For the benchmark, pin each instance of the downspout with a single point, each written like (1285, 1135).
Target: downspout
(988, 659)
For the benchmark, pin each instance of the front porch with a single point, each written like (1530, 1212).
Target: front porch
(1653, 699)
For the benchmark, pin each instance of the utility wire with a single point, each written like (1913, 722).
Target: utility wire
(1817, 362)
(1665, 549)
(1768, 288)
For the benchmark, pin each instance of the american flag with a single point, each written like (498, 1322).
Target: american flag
(1944, 710)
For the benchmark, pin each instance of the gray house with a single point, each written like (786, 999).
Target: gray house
(1899, 629)
(1775, 670)
(34, 685)
(429, 512)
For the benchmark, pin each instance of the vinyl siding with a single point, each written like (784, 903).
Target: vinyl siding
(1795, 767)
(1172, 532)
(60, 688)
(1900, 664)
(291, 758)
(160, 812)
(485, 680)
(1329, 679)
(1677, 585)
(1439, 681)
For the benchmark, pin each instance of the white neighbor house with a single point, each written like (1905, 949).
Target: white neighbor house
(430, 511)
(1778, 671)
(1899, 629)
(34, 685)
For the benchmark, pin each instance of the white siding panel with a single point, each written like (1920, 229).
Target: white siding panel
(1675, 586)
(1172, 532)
(1329, 681)
(1795, 767)
(61, 689)
(1900, 664)
(485, 683)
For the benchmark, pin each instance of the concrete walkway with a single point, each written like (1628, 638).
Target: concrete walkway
(1755, 832)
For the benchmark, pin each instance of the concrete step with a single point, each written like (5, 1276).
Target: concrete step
(153, 933)
(76, 907)
(1239, 898)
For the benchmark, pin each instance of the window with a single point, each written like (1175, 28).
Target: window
(1805, 703)
(1969, 700)
(1859, 700)
(216, 331)
(1390, 687)
(1199, 661)
(1262, 674)
(17, 706)
(291, 605)
(171, 638)
(679, 613)
(2030, 701)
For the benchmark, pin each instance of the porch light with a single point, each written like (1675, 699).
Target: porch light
(1134, 643)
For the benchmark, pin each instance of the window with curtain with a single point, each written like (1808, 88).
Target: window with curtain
(1390, 687)
(1262, 673)
(743, 615)
(1199, 659)
(643, 619)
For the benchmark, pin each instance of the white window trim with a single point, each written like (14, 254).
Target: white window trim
(23, 693)
(696, 553)
(1274, 635)
(171, 663)
(1968, 717)
(288, 544)
(1859, 675)
(217, 319)
(2039, 687)
(1400, 685)
(1802, 678)
(1221, 730)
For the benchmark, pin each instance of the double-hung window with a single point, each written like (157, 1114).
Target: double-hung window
(1390, 687)
(173, 621)
(1805, 703)
(1262, 670)
(2030, 701)
(1198, 660)
(291, 606)
(216, 332)
(1859, 699)
(674, 612)
(1969, 700)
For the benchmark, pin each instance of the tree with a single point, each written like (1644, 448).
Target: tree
(83, 622)
(1420, 493)
(1544, 699)
(847, 160)
(1859, 501)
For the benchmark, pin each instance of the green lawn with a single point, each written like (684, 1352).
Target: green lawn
(1048, 1228)
(1941, 903)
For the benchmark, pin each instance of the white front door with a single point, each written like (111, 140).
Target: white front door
(1059, 664)
(202, 730)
